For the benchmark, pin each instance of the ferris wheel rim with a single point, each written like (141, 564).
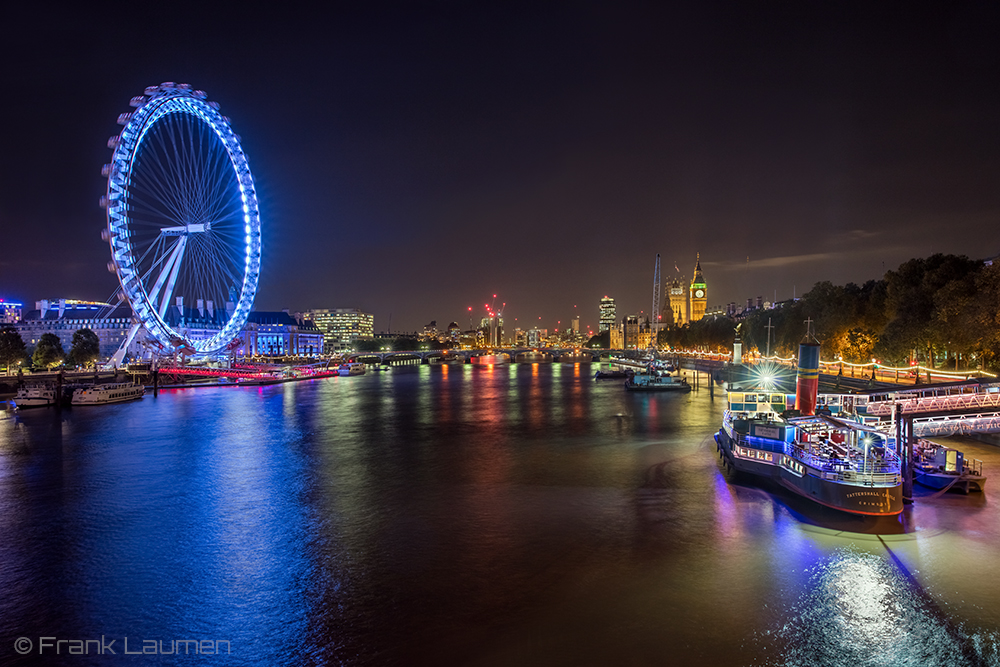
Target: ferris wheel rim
(157, 104)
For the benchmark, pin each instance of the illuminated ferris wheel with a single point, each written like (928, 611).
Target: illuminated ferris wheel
(183, 223)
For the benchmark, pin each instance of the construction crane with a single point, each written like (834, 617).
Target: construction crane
(654, 314)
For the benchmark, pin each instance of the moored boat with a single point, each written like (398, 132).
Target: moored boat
(35, 396)
(656, 381)
(834, 461)
(352, 368)
(614, 374)
(102, 394)
(944, 468)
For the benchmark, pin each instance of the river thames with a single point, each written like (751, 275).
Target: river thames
(457, 515)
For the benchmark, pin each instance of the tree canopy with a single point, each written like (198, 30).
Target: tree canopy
(941, 309)
(85, 348)
(48, 352)
(12, 349)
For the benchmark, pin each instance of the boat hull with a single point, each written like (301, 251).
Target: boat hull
(855, 499)
(964, 483)
(33, 403)
(612, 375)
(656, 383)
(106, 394)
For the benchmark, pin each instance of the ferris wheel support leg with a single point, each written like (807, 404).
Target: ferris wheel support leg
(160, 279)
(118, 357)
(172, 267)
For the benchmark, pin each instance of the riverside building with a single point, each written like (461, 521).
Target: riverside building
(341, 327)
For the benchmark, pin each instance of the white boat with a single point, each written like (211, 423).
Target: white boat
(35, 397)
(354, 368)
(101, 394)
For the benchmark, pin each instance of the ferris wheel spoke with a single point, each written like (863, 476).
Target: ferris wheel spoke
(154, 185)
(221, 174)
(152, 211)
(169, 170)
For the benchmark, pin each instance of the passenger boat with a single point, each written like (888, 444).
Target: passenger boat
(837, 461)
(656, 381)
(352, 368)
(36, 396)
(101, 394)
(944, 468)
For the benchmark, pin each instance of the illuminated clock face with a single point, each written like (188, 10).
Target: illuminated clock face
(699, 293)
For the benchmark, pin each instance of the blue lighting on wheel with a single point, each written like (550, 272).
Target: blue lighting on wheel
(141, 266)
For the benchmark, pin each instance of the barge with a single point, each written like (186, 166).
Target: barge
(835, 461)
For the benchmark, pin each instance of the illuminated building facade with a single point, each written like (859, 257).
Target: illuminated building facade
(536, 337)
(10, 312)
(617, 339)
(278, 334)
(274, 334)
(607, 315)
(630, 328)
(689, 305)
(64, 317)
(678, 302)
(341, 327)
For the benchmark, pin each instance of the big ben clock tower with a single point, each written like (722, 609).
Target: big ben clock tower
(699, 294)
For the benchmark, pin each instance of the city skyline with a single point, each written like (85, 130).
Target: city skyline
(440, 154)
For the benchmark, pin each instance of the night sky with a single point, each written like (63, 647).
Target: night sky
(413, 160)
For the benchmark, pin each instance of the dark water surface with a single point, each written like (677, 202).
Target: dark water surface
(521, 515)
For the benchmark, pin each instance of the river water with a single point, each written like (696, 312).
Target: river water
(451, 515)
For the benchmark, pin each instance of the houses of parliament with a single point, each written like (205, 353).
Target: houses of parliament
(688, 304)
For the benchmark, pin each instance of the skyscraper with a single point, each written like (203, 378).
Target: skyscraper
(607, 319)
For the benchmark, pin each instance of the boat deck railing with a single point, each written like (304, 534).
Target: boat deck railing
(932, 403)
(865, 472)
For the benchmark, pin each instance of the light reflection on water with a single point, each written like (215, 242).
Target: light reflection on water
(519, 514)
(860, 609)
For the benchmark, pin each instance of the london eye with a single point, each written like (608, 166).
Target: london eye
(182, 222)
